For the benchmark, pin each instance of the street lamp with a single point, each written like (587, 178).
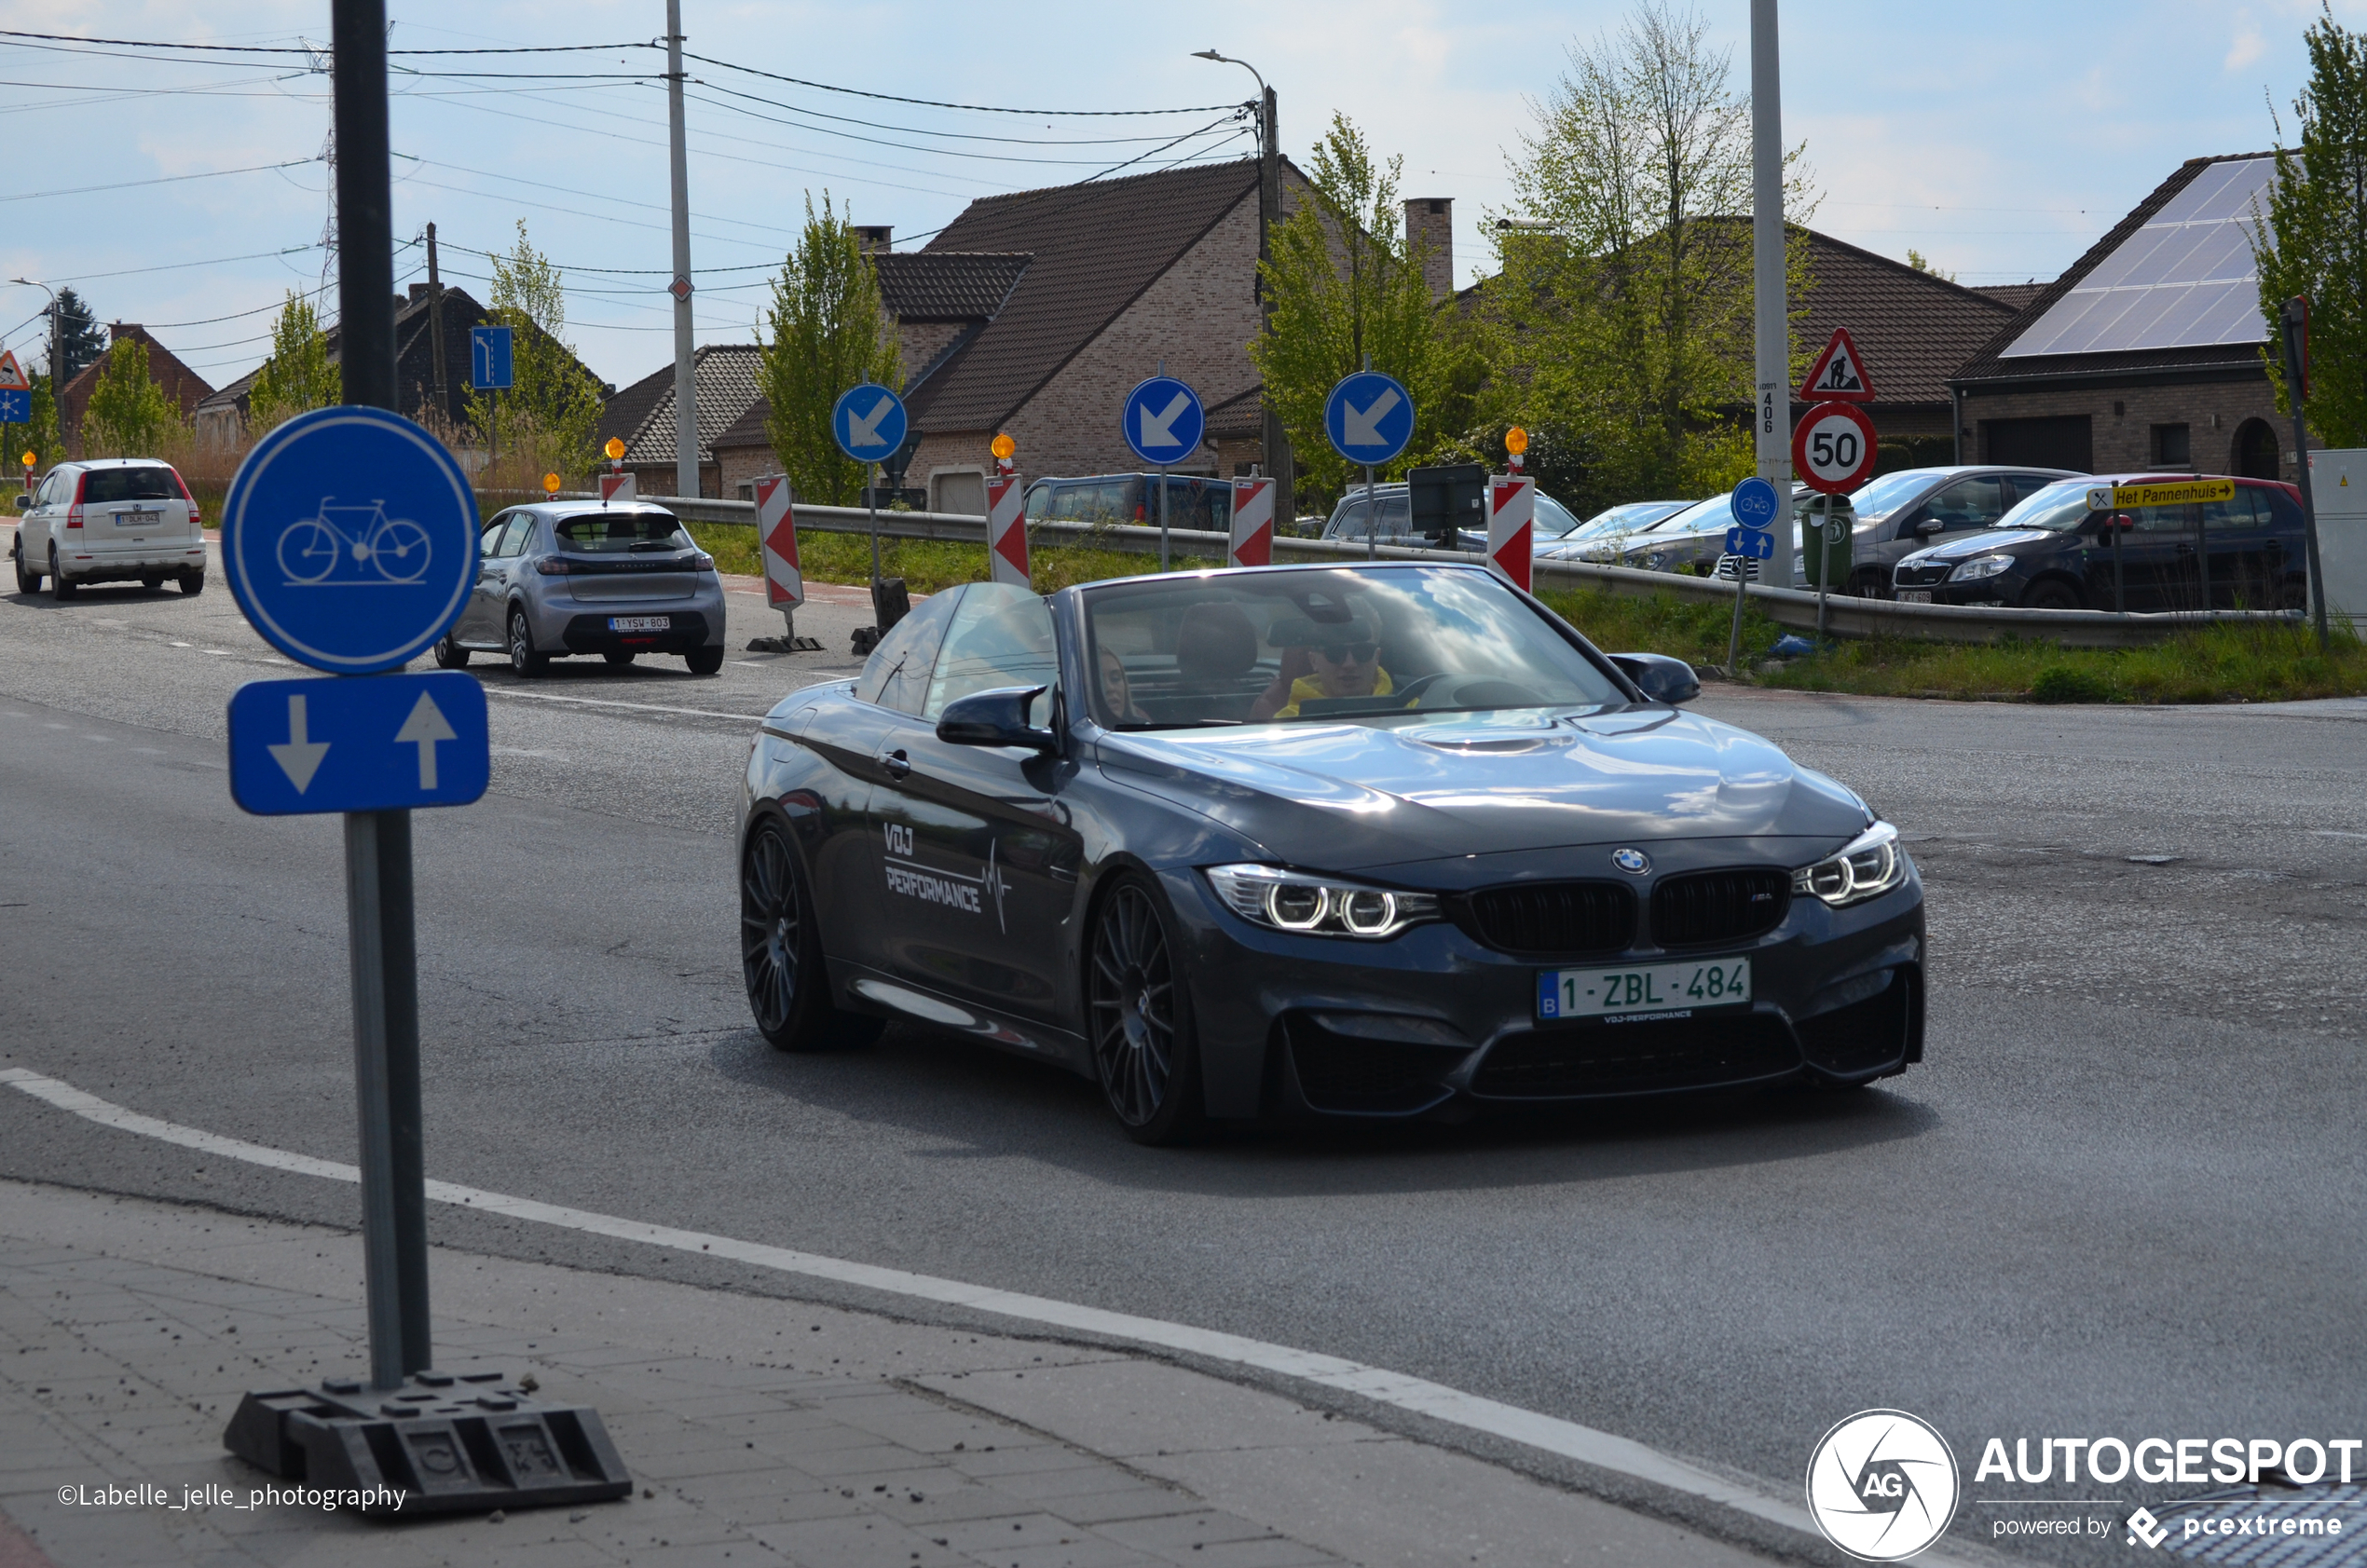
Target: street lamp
(1269, 210)
(56, 328)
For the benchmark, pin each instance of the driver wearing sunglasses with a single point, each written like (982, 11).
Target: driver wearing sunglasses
(1342, 661)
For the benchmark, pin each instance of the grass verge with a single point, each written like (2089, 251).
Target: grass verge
(2222, 663)
(926, 566)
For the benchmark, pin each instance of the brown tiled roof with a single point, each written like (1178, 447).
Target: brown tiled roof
(2015, 294)
(748, 428)
(1096, 246)
(724, 380)
(947, 285)
(1911, 328)
(184, 386)
(1241, 414)
(1986, 363)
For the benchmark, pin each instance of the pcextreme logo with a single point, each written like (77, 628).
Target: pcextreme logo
(1882, 1485)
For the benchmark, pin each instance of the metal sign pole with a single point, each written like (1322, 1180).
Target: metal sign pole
(1373, 518)
(1734, 639)
(1163, 563)
(2120, 592)
(1824, 547)
(386, 1000)
(2296, 325)
(872, 497)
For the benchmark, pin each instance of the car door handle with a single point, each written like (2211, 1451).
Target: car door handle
(896, 764)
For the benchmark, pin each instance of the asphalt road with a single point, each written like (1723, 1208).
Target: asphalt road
(2122, 1197)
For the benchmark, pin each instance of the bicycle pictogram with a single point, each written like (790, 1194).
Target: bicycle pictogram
(394, 549)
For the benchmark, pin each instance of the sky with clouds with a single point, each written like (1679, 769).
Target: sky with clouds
(1998, 140)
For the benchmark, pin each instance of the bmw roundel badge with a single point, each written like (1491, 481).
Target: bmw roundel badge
(1634, 862)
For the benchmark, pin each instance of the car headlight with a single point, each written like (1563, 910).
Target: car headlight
(1980, 566)
(1299, 901)
(1652, 562)
(1870, 865)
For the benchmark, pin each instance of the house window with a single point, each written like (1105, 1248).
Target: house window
(2172, 446)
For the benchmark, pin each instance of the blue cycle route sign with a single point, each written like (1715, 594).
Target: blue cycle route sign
(370, 743)
(1163, 422)
(1369, 417)
(490, 361)
(1756, 544)
(1754, 503)
(350, 537)
(868, 422)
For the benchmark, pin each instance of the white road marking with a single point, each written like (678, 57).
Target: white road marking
(610, 702)
(1586, 1444)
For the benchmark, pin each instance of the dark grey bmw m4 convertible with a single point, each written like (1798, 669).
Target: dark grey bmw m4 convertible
(1373, 842)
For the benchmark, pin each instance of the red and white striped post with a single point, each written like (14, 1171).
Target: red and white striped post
(1252, 522)
(1512, 511)
(776, 528)
(1006, 558)
(619, 487)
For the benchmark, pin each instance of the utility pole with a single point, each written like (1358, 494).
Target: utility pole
(1276, 441)
(686, 413)
(1774, 423)
(435, 329)
(378, 844)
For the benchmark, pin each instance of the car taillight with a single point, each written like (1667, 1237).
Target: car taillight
(73, 515)
(196, 520)
(553, 566)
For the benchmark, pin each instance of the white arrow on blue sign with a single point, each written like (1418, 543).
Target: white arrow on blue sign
(868, 422)
(1163, 422)
(350, 537)
(490, 368)
(1756, 544)
(376, 743)
(1369, 417)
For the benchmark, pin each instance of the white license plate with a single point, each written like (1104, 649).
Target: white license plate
(1914, 595)
(639, 623)
(137, 519)
(1632, 990)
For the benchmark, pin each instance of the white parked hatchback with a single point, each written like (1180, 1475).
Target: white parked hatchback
(109, 520)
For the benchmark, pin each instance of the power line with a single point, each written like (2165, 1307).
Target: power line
(175, 266)
(162, 180)
(878, 141)
(594, 196)
(270, 49)
(940, 103)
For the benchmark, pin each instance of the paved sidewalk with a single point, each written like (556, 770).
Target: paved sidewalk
(759, 1430)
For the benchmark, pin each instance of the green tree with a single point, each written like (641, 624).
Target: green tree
(551, 408)
(79, 338)
(128, 414)
(825, 332)
(1349, 290)
(2312, 241)
(1622, 317)
(298, 376)
(1922, 263)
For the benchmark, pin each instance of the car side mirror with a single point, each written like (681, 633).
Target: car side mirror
(1929, 527)
(24, 501)
(996, 719)
(1659, 677)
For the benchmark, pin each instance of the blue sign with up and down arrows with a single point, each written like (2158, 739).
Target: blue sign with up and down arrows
(366, 744)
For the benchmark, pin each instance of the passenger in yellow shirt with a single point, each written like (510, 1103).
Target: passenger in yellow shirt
(1346, 662)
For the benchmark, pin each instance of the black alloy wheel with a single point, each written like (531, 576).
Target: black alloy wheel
(27, 581)
(1140, 1019)
(1870, 585)
(523, 660)
(58, 587)
(2050, 594)
(449, 654)
(781, 952)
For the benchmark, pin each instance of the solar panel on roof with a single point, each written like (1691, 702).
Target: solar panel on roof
(2185, 279)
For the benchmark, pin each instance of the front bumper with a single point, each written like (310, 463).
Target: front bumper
(1432, 1019)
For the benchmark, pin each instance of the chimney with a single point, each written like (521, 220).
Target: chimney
(118, 331)
(418, 292)
(1429, 231)
(872, 238)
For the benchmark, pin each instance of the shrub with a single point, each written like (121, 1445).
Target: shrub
(2061, 682)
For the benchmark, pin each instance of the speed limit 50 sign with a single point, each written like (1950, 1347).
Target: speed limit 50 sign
(1833, 448)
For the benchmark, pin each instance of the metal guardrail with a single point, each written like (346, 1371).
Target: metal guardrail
(1845, 616)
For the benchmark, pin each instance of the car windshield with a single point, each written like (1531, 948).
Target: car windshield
(1278, 646)
(1553, 520)
(1625, 519)
(153, 483)
(2057, 509)
(1877, 498)
(605, 533)
(1350, 522)
(1714, 515)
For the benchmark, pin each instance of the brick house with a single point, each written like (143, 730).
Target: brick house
(222, 418)
(723, 385)
(2147, 352)
(187, 390)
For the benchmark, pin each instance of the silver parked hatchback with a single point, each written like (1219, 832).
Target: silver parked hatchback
(559, 578)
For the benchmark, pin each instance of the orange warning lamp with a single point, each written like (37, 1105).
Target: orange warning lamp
(1516, 440)
(550, 483)
(29, 458)
(1003, 447)
(615, 449)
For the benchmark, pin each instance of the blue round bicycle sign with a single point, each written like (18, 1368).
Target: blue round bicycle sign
(1754, 503)
(350, 537)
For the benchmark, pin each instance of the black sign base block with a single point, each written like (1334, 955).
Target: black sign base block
(445, 1444)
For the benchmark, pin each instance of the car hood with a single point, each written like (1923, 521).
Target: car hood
(1987, 542)
(1345, 797)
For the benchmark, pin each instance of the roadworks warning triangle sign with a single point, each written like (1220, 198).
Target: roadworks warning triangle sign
(12, 375)
(1838, 376)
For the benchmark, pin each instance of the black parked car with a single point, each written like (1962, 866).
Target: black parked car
(1901, 512)
(1362, 841)
(2052, 553)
